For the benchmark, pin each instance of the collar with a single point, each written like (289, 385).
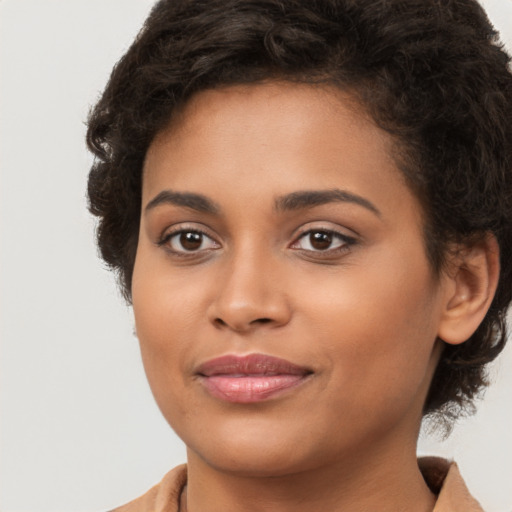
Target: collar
(444, 479)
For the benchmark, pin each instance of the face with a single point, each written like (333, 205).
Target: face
(285, 307)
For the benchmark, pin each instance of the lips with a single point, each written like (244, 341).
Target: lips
(251, 378)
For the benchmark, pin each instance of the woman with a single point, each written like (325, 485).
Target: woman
(309, 207)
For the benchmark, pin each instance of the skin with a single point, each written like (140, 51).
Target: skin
(363, 315)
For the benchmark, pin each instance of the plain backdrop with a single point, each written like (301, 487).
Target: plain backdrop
(79, 428)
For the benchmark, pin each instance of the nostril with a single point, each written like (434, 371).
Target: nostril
(220, 323)
(262, 321)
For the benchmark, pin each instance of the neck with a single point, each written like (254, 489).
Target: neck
(384, 482)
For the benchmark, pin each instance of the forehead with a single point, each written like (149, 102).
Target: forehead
(272, 99)
(272, 139)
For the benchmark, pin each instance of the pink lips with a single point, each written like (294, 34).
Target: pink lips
(251, 378)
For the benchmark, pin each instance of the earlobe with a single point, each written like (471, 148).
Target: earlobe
(471, 283)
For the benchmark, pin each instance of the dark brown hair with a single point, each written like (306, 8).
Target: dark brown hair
(430, 72)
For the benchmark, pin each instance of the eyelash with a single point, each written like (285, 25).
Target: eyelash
(347, 241)
(166, 240)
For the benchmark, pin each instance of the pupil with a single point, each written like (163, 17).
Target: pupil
(320, 240)
(191, 241)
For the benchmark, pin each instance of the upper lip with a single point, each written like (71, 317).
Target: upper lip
(252, 364)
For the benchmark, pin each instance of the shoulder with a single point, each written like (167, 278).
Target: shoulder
(163, 497)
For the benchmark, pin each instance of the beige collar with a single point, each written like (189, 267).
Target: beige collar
(444, 479)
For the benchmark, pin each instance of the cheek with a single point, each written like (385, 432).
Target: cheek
(377, 329)
(166, 317)
(166, 301)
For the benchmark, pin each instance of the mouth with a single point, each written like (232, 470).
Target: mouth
(249, 379)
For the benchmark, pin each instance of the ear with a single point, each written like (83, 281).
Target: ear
(471, 282)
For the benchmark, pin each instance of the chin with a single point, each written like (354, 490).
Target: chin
(255, 461)
(256, 448)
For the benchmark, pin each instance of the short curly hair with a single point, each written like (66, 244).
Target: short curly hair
(432, 73)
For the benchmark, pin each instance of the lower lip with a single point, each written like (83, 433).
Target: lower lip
(250, 388)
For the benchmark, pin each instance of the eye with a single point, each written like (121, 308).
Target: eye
(188, 241)
(321, 240)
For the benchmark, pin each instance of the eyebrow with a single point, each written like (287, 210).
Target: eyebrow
(311, 198)
(190, 200)
(295, 201)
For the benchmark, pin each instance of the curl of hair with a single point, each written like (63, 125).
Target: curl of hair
(431, 73)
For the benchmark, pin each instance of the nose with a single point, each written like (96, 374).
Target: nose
(250, 294)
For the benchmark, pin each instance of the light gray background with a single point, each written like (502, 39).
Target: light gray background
(79, 428)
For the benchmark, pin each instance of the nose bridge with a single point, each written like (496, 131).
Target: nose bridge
(250, 290)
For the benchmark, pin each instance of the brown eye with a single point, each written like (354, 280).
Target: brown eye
(320, 240)
(190, 240)
(323, 240)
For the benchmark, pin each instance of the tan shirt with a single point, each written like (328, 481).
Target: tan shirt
(442, 477)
